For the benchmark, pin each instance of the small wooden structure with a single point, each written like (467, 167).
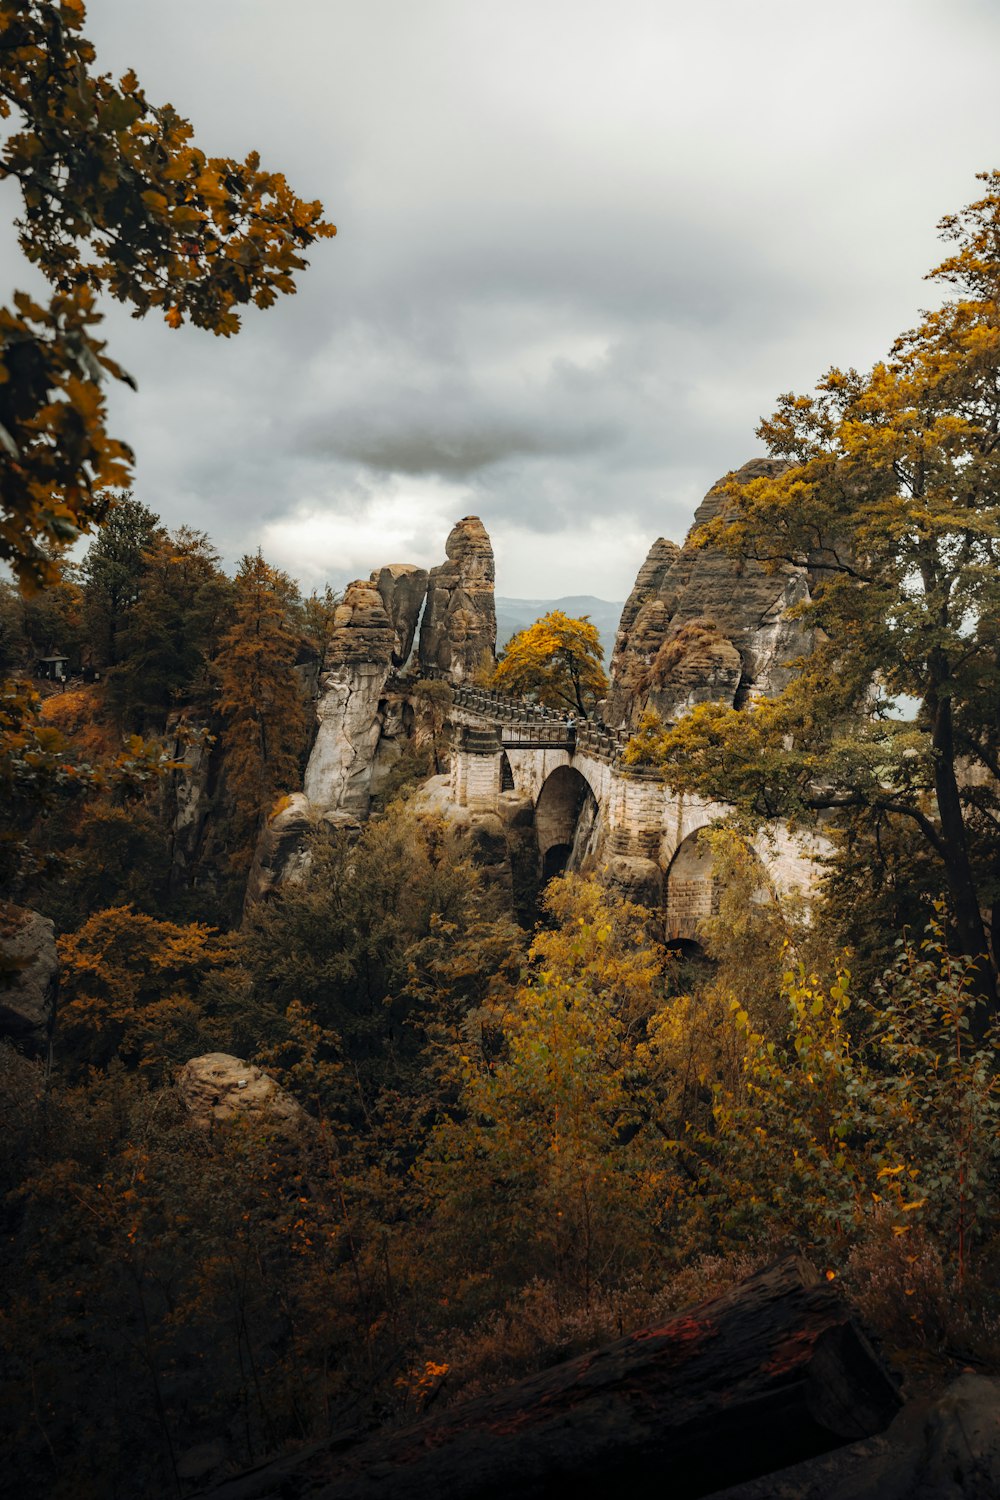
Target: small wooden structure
(52, 668)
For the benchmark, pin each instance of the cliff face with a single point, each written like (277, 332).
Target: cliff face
(360, 730)
(358, 656)
(402, 589)
(29, 979)
(702, 626)
(459, 628)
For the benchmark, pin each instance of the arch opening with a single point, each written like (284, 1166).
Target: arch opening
(506, 773)
(692, 891)
(565, 819)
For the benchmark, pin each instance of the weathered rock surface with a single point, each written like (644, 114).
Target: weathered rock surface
(29, 978)
(216, 1088)
(188, 791)
(358, 656)
(635, 878)
(280, 855)
(702, 626)
(402, 589)
(459, 629)
(945, 1449)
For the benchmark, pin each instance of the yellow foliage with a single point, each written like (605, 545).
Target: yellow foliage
(557, 662)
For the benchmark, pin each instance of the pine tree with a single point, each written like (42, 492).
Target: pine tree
(113, 571)
(259, 697)
(172, 631)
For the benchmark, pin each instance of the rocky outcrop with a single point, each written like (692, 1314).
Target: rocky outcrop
(701, 625)
(282, 853)
(945, 1448)
(188, 791)
(402, 589)
(459, 629)
(359, 654)
(217, 1088)
(29, 978)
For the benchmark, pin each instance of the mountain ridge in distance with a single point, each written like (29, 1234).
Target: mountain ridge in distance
(517, 614)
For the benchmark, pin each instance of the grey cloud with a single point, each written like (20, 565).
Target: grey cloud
(455, 445)
(582, 246)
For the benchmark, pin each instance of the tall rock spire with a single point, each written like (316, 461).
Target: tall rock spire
(459, 629)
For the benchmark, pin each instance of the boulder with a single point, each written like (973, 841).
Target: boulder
(217, 1088)
(635, 878)
(29, 978)
(458, 633)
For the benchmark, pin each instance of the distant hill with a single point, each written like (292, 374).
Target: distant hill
(515, 614)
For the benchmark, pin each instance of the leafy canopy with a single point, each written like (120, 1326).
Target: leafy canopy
(259, 698)
(557, 661)
(116, 198)
(890, 494)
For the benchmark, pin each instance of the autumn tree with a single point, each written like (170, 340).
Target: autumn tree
(557, 662)
(130, 990)
(260, 699)
(116, 199)
(393, 936)
(555, 1164)
(318, 609)
(890, 491)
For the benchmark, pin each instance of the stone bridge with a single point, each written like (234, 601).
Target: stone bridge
(594, 812)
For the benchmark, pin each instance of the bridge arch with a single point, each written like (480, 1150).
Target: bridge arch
(692, 887)
(565, 816)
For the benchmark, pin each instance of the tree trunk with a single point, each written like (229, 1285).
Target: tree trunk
(969, 926)
(773, 1372)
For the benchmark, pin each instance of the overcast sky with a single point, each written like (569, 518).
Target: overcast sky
(582, 246)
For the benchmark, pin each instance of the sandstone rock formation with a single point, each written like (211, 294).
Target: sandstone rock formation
(402, 589)
(282, 853)
(216, 1088)
(187, 791)
(700, 625)
(358, 657)
(29, 978)
(459, 629)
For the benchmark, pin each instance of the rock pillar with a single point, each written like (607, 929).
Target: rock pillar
(358, 656)
(458, 633)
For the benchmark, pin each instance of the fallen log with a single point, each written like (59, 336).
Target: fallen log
(774, 1371)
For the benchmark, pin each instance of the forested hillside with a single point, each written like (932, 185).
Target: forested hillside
(321, 1103)
(484, 1143)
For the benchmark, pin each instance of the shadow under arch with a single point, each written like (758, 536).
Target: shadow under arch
(565, 814)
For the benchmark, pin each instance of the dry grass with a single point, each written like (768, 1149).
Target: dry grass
(539, 1327)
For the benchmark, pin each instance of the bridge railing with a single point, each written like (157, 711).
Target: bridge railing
(523, 723)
